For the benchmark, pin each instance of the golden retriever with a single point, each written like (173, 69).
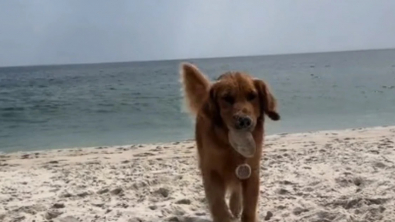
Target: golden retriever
(236, 101)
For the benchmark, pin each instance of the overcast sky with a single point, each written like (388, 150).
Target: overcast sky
(85, 31)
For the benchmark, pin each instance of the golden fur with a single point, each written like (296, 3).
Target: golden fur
(216, 106)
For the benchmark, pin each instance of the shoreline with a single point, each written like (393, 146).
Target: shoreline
(329, 175)
(186, 140)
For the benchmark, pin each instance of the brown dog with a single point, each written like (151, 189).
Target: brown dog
(235, 101)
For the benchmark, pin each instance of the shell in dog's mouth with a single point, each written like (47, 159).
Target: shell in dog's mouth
(243, 142)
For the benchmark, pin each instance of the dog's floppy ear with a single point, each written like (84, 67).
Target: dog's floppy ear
(211, 109)
(267, 101)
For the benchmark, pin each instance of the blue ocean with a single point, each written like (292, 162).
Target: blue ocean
(63, 106)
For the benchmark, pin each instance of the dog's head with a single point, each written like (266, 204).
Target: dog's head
(237, 101)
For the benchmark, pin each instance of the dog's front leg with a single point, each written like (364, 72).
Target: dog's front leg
(250, 189)
(215, 189)
(235, 201)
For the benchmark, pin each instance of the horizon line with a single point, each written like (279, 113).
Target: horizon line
(196, 58)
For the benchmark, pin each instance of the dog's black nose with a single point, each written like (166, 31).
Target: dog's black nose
(243, 122)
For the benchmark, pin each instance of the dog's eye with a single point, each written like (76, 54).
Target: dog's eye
(251, 96)
(228, 99)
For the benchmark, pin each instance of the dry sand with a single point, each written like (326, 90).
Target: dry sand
(322, 176)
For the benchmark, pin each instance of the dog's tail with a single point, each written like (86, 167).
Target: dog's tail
(195, 87)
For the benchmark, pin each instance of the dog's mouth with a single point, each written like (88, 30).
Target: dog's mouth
(243, 130)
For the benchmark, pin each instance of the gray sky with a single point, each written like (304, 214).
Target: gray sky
(84, 31)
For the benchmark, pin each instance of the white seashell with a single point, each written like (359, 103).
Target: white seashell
(242, 142)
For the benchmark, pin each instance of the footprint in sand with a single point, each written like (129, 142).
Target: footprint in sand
(144, 154)
(187, 219)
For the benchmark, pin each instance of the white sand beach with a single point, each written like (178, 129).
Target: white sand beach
(346, 175)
